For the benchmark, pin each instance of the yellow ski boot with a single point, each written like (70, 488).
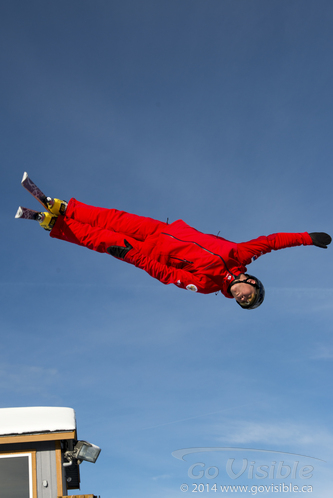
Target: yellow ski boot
(47, 220)
(56, 206)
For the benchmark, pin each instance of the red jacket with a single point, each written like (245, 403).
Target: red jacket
(174, 254)
(204, 263)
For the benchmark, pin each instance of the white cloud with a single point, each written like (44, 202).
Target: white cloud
(274, 434)
(26, 378)
(163, 476)
(322, 352)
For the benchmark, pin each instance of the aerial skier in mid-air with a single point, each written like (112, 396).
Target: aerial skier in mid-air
(172, 253)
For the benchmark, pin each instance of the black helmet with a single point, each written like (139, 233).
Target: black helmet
(259, 295)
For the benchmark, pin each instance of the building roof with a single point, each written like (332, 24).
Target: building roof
(37, 419)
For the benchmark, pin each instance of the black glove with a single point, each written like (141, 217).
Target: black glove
(320, 239)
(119, 251)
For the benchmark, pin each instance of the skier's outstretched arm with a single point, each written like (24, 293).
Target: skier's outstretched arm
(248, 251)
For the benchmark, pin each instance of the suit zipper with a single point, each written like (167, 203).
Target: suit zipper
(183, 260)
(201, 247)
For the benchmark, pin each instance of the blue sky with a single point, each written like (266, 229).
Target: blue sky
(213, 111)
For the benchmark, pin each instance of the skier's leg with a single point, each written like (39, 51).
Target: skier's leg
(95, 238)
(138, 227)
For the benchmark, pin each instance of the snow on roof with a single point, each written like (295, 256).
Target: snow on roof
(36, 419)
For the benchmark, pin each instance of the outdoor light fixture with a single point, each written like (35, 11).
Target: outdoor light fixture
(82, 451)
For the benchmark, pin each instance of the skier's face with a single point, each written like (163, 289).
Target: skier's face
(243, 292)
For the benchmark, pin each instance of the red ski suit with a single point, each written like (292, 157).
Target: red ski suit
(174, 254)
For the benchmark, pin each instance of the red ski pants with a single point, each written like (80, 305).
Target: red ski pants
(99, 228)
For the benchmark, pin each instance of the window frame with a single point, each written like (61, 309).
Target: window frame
(31, 454)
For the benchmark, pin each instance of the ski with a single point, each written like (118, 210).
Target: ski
(28, 214)
(31, 187)
(46, 220)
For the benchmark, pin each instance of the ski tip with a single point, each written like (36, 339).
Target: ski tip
(19, 212)
(25, 176)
